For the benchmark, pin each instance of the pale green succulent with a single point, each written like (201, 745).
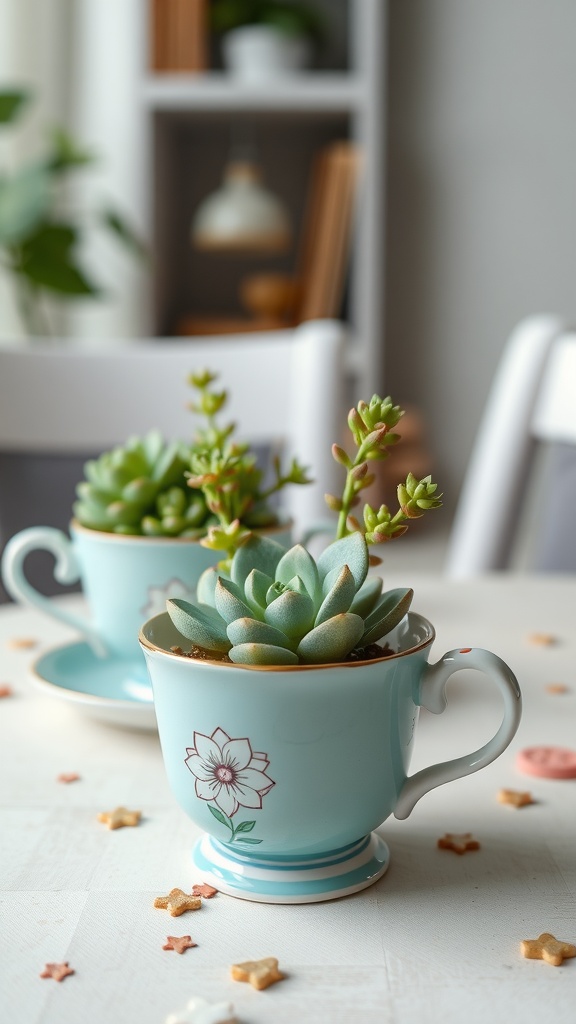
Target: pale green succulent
(141, 488)
(283, 608)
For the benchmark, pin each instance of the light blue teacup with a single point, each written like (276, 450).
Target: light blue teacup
(124, 579)
(288, 769)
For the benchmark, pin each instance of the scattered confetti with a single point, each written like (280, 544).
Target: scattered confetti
(542, 639)
(547, 948)
(556, 688)
(205, 890)
(198, 1011)
(547, 762)
(260, 973)
(177, 902)
(460, 843)
(515, 798)
(21, 643)
(57, 971)
(120, 817)
(179, 943)
(68, 777)
(5, 690)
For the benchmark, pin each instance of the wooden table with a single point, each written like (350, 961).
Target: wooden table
(435, 941)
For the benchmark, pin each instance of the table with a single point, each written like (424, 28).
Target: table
(435, 940)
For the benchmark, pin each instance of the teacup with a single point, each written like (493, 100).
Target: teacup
(289, 769)
(125, 579)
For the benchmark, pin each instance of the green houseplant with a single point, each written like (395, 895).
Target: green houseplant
(282, 608)
(266, 38)
(39, 234)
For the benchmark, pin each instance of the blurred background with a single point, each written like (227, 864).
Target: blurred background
(406, 166)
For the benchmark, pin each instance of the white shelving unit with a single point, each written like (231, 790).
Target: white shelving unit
(161, 139)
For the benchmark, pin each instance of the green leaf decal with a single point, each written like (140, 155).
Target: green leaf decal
(245, 826)
(220, 816)
(247, 839)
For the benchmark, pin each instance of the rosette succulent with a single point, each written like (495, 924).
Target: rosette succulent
(283, 608)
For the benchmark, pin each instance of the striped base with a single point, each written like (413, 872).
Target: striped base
(305, 879)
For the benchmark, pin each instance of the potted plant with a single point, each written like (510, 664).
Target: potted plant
(150, 517)
(39, 233)
(287, 697)
(264, 39)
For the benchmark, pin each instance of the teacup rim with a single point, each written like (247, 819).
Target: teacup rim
(153, 648)
(79, 528)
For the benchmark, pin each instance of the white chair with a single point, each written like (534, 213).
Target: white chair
(70, 398)
(532, 399)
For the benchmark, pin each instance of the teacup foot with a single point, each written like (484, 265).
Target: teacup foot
(292, 879)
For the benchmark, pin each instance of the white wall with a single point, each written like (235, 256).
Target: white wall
(481, 197)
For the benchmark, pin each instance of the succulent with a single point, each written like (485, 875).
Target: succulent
(271, 607)
(283, 608)
(141, 488)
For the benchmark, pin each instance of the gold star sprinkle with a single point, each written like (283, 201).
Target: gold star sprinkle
(57, 971)
(179, 943)
(120, 817)
(260, 973)
(67, 777)
(459, 843)
(514, 797)
(556, 688)
(547, 948)
(542, 639)
(21, 643)
(177, 902)
(205, 890)
(5, 690)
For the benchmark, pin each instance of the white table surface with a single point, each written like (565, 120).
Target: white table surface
(435, 940)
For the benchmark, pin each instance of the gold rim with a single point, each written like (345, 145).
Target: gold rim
(145, 642)
(104, 536)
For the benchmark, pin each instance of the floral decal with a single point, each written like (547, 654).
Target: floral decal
(232, 775)
(157, 596)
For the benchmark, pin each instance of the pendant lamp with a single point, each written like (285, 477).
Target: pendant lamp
(241, 215)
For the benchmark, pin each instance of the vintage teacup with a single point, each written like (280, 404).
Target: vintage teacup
(288, 769)
(125, 579)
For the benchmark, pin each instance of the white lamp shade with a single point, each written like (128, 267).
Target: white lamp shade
(241, 214)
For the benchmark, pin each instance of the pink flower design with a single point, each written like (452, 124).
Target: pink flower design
(228, 771)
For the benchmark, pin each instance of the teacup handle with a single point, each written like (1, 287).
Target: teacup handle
(433, 697)
(66, 570)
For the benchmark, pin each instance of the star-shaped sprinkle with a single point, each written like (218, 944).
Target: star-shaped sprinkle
(179, 943)
(515, 797)
(198, 1011)
(557, 688)
(178, 902)
(260, 973)
(67, 777)
(120, 817)
(205, 890)
(547, 948)
(460, 843)
(57, 971)
(542, 639)
(21, 643)
(5, 690)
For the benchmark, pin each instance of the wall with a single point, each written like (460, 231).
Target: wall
(481, 198)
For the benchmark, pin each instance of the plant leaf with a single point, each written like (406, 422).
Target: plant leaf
(339, 597)
(206, 587)
(351, 551)
(196, 625)
(46, 259)
(251, 631)
(299, 562)
(389, 611)
(292, 613)
(256, 553)
(229, 601)
(120, 227)
(11, 103)
(23, 200)
(367, 596)
(255, 590)
(332, 641)
(261, 654)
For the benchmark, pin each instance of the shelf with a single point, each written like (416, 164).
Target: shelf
(312, 92)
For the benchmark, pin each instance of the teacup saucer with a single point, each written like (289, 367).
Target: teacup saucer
(111, 689)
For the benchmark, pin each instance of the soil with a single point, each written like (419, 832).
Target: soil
(369, 653)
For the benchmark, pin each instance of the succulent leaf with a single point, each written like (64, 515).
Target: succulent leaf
(299, 562)
(331, 641)
(367, 596)
(206, 587)
(251, 631)
(229, 601)
(292, 612)
(339, 597)
(350, 551)
(262, 654)
(260, 553)
(197, 625)
(389, 611)
(256, 587)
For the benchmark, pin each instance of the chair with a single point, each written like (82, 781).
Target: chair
(62, 401)
(532, 400)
